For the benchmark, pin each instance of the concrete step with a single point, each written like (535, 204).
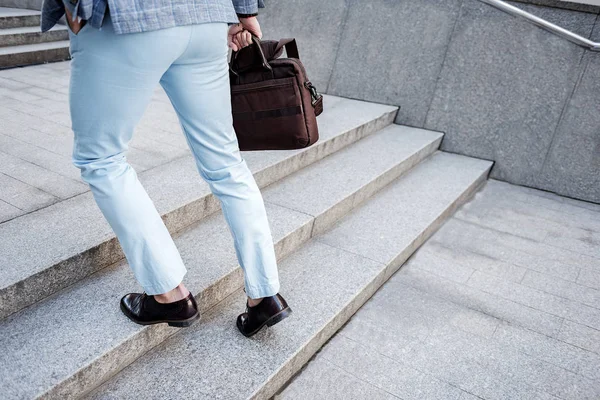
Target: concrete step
(32, 35)
(74, 340)
(15, 56)
(79, 241)
(16, 18)
(325, 283)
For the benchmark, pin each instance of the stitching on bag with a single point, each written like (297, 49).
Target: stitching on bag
(275, 113)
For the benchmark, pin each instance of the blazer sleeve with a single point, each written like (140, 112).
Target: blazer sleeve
(52, 11)
(248, 6)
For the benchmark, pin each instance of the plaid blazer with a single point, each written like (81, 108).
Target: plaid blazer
(130, 16)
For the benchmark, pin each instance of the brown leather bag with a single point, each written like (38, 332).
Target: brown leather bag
(274, 104)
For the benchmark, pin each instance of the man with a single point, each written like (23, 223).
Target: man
(119, 54)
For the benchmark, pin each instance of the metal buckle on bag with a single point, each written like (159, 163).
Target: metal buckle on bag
(316, 98)
(313, 93)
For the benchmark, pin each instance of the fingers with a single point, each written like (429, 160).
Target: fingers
(238, 37)
(242, 39)
(231, 34)
(247, 38)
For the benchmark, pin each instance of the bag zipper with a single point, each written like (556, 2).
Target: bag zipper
(237, 89)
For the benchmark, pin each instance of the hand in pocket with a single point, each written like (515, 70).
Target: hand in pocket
(74, 25)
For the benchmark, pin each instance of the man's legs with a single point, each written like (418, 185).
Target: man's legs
(112, 81)
(198, 86)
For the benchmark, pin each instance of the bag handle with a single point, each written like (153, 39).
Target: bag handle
(257, 44)
(291, 47)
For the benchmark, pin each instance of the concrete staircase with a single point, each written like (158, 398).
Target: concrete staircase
(345, 214)
(22, 42)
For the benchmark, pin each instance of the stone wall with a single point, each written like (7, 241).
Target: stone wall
(499, 87)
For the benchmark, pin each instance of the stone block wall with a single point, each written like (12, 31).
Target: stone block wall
(499, 87)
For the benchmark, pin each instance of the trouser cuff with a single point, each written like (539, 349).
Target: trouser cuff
(166, 285)
(257, 292)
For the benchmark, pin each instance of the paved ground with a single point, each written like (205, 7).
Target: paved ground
(502, 303)
(36, 139)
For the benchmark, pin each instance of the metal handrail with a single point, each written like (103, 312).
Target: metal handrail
(565, 33)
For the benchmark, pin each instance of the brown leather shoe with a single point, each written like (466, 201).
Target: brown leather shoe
(145, 310)
(269, 311)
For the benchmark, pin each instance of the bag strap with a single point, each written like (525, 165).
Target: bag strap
(291, 47)
(261, 54)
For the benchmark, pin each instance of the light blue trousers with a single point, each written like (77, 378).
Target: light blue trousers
(113, 78)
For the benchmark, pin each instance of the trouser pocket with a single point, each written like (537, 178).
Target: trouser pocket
(70, 26)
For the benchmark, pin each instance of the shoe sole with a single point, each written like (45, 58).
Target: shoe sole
(184, 323)
(275, 319)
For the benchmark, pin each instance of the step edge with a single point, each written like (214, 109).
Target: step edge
(28, 30)
(327, 218)
(302, 356)
(30, 48)
(29, 38)
(15, 21)
(38, 57)
(22, 11)
(322, 333)
(175, 218)
(285, 246)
